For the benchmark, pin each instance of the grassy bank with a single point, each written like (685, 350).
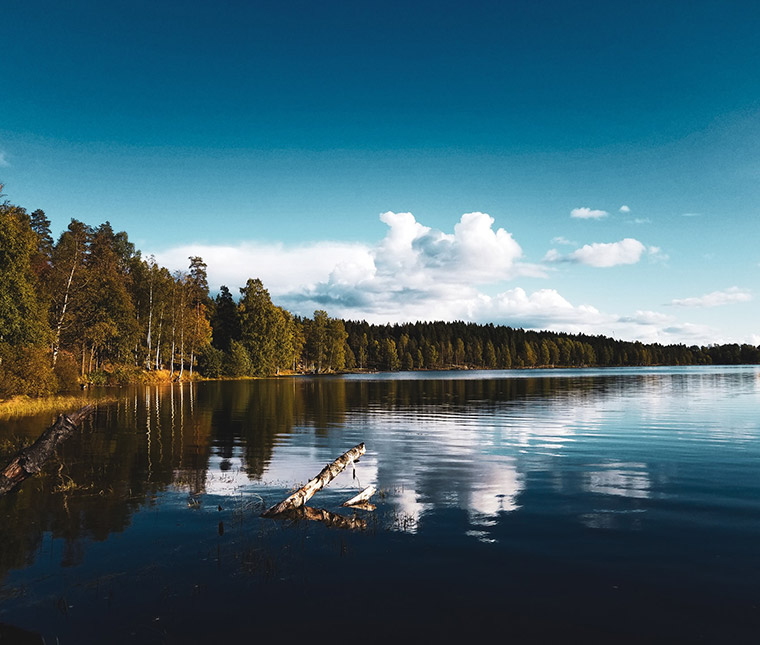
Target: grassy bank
(24, 406)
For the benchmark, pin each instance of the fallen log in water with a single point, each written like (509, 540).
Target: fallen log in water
(30, 460)
(361, 498)
(326, 475)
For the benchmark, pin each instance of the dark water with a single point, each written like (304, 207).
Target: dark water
(612, 505)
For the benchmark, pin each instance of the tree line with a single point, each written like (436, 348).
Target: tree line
(89, 308)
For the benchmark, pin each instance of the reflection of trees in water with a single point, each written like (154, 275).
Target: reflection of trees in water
(157, 437)
(253, 413)
(123, 456)
(151, 439)
(472, 394)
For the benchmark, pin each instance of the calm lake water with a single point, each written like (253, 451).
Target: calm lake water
(613, 505)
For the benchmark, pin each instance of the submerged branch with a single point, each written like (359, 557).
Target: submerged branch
(30, 461)
(362, 498)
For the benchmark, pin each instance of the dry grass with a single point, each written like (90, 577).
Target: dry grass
(25, 406)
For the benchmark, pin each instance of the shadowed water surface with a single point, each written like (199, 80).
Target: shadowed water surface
(607, 504)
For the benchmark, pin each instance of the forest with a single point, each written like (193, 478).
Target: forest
(88, 308)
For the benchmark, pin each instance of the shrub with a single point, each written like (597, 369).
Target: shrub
(238, 361)
(66, 371)
(124, 375)
(211, 362)
(99, 377)
(26, 370)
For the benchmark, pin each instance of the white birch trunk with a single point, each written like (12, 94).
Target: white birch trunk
(59, 322)
(326, 475)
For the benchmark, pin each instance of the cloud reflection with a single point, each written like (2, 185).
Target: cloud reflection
(621, 479)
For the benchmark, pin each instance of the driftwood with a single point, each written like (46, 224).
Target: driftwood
(361, 498)
(30, 461)
(326, 475)
(364, 506)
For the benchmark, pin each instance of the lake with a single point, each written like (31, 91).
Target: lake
(609, 505)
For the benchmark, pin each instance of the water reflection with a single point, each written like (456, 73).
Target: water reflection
(489, 446)
(625, 480)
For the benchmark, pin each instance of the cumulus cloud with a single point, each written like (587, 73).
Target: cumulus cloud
(587, 213)
(625, 209)
(603, 254)
(716, 298)
(413, 264)
(420, 273)
(280, 267)
(600, 254)
(474, 253)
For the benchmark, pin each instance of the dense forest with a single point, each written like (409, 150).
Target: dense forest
(88, 308)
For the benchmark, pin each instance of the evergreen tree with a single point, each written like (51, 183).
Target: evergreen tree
(258, 321)
(225, 322)
(22, 313)
(317, 339)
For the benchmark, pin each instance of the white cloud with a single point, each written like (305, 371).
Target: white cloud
(587, 213)
(656, 254)
(280, 267)
(412, 264)
(4, 163)
(419, 273)
(691, 214)
(625, 209)
(599, 254)
(716, 298)
(562, 240)
(603, 254)
(474, 253)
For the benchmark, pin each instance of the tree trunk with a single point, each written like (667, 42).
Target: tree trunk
(174, 330)
(150, 324)
(182, 337)
(361, 498)
(59, 323)
(30, 461)
(326, 475)
(158, 341)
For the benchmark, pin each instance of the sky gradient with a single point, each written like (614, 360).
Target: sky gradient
(576, 166)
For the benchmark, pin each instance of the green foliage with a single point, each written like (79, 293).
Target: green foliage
(99, 377)
(317, 339)
(225, 322)
(350, 358)
(211, 362)
(238, 361)
(22, 314)
(260, 326)
(336, 345)
(107, 314)
(26, 370)
(66, 371)
(390, 355)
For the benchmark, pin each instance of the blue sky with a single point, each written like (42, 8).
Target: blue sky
(363, 157)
